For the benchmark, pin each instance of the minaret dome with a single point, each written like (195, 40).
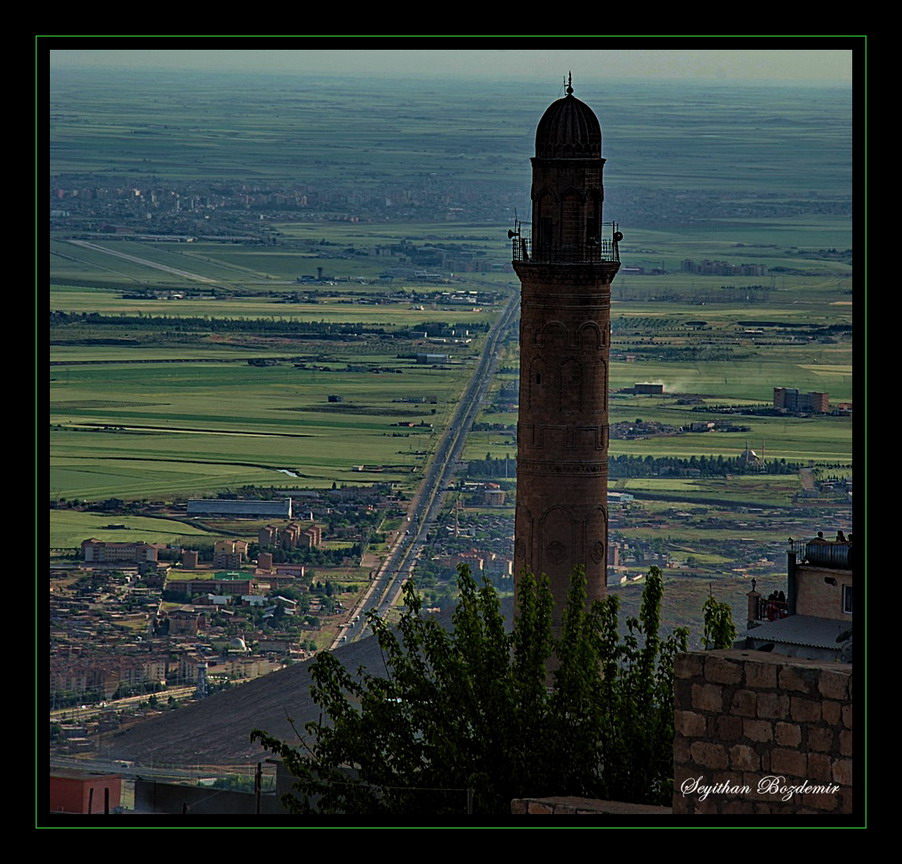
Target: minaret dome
(569, 129)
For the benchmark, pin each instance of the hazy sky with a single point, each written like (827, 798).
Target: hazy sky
(801, 64)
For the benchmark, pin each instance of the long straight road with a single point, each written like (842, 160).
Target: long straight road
(438, 474)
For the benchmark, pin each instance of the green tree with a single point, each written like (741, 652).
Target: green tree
(719, 628)
(466, 714)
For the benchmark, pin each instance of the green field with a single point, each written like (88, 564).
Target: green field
(69, 527)
(741, 175)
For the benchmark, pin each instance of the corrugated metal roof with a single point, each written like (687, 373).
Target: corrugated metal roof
(801, 630)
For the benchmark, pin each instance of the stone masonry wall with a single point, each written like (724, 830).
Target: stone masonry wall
(761, 733)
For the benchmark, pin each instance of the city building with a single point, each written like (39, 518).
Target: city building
(813, 617)
(565, 269)
(290, 536)
(789, 399)
(229, 554)
(239, 507)
(98, 552)
(83, 792)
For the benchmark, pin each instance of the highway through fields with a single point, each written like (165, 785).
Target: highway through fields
(426, 503)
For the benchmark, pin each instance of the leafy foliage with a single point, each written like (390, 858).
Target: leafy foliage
(719, 628)
(466, 717)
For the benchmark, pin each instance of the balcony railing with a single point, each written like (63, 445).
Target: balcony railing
(771, 610)
(823, 553)
(597, 250)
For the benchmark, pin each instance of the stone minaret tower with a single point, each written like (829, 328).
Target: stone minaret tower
(565, 315)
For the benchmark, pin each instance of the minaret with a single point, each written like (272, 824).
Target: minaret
(565, 270)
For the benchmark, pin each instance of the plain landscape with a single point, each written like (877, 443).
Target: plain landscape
(267, 284)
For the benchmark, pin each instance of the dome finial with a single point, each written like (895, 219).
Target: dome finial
(569, 83)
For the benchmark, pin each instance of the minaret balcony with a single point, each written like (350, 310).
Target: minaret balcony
(596, 250)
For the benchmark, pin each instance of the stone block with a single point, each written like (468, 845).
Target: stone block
(707, 697)
(690, 724)
(757, 730)
(708, 754)
(820, 768)
(688, 665)
(830, 711)
(538, 807)
(847, 716)
(682, 693)
(760, 676)
(820, 739)
(681, 750)
(789, 762)
(727, 728)
(834, 685)
(796, 679)
(842, 772)
(845, 743)
(744, 703)
(805, 710)
(787, 734)
(721, 670)
(773, 705)
(823, 802)
(744, 758)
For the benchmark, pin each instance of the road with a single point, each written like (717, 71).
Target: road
(427, 500)
(146, 262)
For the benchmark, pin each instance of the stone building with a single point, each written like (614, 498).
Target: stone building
(565, 269)
(229, 553)
(96, 551)
(766, 727)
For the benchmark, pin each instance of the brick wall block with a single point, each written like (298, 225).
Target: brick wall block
(842, 772)
(820, 738)
(751, 780)
(845, 743)
(820, 768)
(708, 754)
(687, 665)
(787, 734)
(690, 724)
(760, 676)
(744, 758)
(744, 703)
(830, 711)
(847, 716)
(824, 802)
(805, 710)
(680, 750)
(707, 697)
(728, 728)
(797, 680)
(789, 762)
(682, 692)
(834, 685)
(757, 730)
(721, 670)
(775, 705)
